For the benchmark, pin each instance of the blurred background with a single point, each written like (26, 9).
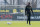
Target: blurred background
(15, 9)
(34, 3)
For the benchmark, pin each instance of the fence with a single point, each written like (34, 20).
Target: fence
(17, 12)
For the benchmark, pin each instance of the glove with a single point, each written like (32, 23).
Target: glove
(25, 13)
(33, 14)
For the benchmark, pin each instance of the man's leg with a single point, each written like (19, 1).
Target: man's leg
(27, 21)
(29, 18)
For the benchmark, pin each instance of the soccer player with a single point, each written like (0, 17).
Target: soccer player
(28, 10)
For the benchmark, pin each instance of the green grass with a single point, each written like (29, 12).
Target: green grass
(19, 24)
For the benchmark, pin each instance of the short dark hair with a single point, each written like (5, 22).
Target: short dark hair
(28, 2)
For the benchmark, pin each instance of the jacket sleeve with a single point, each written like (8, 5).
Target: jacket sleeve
(31, 10)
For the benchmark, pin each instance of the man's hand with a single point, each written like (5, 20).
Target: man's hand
(25, 14)
(33, 14)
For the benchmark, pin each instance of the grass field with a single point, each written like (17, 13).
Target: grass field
(19, 24)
